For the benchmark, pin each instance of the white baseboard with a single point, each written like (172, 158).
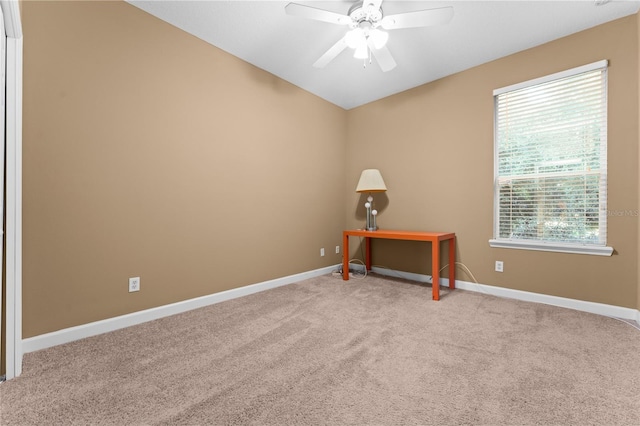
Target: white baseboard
(67, 335)
(563, 302)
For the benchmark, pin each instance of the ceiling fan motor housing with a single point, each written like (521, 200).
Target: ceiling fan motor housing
(361, 12)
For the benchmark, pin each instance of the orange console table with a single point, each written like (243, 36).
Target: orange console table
(433, 237)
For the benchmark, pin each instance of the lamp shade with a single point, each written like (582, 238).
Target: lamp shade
(371, 181)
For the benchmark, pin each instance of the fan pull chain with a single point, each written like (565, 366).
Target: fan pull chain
(364, 62)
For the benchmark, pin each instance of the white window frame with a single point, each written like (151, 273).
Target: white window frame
(541, 245)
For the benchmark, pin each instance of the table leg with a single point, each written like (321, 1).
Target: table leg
(367, 252)
(452, 263)
(345, 257)
(435, 269)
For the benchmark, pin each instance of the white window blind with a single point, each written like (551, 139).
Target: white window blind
(551, 161)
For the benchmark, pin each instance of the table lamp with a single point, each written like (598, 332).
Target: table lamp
(371, 181)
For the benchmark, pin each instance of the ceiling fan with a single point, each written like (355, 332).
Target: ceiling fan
(364, 19)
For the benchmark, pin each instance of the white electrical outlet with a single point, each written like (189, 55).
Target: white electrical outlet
(322, 251)
(337, 249)
(499, 266)
(134, 284)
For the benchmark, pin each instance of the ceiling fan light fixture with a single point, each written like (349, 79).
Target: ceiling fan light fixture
(361, 52)
(355, 38)
(379, 38)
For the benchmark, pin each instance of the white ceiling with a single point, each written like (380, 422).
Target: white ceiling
(260, 33)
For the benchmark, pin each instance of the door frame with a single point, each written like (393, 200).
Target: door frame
(13, 194)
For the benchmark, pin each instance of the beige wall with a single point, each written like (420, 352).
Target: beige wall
(146, 152)
(638, 102)
(150, 153)
(434, 147)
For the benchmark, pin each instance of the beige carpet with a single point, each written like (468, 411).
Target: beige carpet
(323, 352)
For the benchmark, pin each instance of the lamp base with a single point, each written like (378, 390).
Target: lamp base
(372, 229)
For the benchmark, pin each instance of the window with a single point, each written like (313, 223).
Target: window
(550, 188)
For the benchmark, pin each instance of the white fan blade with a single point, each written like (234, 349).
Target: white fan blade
(333, 51)
(309, 12)
(420, 18)
(383, 56)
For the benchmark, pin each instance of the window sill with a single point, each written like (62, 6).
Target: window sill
(560, 248)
